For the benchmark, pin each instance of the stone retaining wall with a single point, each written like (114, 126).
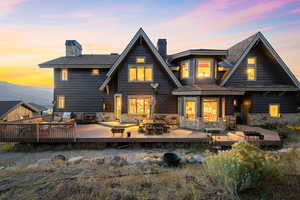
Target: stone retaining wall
(169, 118)
(264, 118)
(199, 124)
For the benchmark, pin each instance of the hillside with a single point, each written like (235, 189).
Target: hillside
(9, 91)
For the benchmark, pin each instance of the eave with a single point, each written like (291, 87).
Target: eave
(198, 53)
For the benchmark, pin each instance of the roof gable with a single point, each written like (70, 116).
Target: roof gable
(139, 34)
(8, 106)
(245, 47)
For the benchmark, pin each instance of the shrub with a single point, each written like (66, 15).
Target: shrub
(244, 167)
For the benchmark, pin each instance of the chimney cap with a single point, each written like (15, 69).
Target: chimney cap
(73, 43)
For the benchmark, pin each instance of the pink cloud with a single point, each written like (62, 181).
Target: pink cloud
(8, 6)
(294, 11)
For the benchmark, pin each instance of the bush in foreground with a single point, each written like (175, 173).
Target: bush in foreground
(244, 167)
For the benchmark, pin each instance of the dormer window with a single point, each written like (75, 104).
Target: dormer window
(185, 70)
(203, 68)
(64, 74)
(251, 68)
(140, 59)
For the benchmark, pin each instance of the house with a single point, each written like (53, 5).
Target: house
(40, 109)
(16, 110)
(248, 83)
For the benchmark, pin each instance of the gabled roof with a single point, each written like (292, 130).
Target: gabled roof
(199, 52)
(82, 61)
(8, 106)
(37, 106)
(236, 57)
(139, 34)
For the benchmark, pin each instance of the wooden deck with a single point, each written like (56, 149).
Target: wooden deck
(97, 133)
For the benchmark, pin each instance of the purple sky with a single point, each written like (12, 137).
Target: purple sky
(33, 31)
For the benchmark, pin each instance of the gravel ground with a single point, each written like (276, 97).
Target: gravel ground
(25, 158)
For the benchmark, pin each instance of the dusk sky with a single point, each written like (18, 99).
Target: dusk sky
(34, 31)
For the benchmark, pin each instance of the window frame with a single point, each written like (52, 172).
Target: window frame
(210, 70)
(97, 74)
(136, 74)
(58, 98)
(274, 104)
(62, 77)
(202, 109)
(188, 69)
(186, 99)
(139, 97)
(252, 66)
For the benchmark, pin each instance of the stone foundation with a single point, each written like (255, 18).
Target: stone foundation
(199, 124)
(105, 116)
(257, 119)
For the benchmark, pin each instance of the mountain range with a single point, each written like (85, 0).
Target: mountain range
(13, 92)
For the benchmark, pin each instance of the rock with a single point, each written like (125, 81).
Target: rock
(198, 158)
(13, 168)
(75, 160)
(151, 160)
(43, 161)
(171, 159)
(32, 166)
(98, 160)
(284, 150)
(132, 160)
(58, 157)
(2, 167)
(117, 160)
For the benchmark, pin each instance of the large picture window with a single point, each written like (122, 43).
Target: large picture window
(210, 110)
(139, 105)
(203, 68)
(140, 73)
(185, 69)
(190, 109)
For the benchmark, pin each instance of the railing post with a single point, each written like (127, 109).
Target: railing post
(74, 130)
(38, 132)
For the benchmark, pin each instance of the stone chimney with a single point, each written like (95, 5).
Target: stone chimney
(73, 48)
(162, 47)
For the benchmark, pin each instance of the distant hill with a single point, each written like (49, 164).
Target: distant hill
(41, 96)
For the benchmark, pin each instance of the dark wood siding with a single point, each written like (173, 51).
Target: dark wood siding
(268, 71)
(166, 102)
(260, 103)
(81, 90)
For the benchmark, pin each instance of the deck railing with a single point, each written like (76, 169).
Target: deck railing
(36, 132)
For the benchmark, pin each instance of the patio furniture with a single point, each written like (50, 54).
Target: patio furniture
(156, 128)
(117, 130)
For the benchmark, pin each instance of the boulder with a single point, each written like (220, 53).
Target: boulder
(58, 157)
(284, 150)
(32, 166)
(198, 158)
(194, 159)
(171, 159)
(117, 160)
(1, 167)
(43, 161)
(75, 160)
(98, 160)
(132, 160)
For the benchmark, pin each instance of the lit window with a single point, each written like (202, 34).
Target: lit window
(64, 74)
(185, 70)
(251, 73)
(190, 109)
(210, 110)
(95, 71)
(251, 61)
(140, 60)
(274, 110)
(139, 105)
(203, 68)
(61, 102)
(140, 73)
